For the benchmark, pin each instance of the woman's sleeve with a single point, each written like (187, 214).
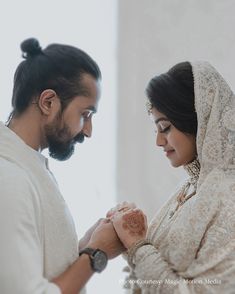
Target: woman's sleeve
(21, 256)
(156, 275)
(212, 267)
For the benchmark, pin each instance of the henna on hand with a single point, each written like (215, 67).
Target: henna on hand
(134, 222)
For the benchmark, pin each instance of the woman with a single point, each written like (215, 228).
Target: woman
(189, 246)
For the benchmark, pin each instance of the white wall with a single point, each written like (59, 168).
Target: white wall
(153, 36)
(87, 180)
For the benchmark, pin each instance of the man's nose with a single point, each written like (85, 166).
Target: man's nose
(87, 128)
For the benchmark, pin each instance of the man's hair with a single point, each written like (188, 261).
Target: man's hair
(58, 67)
(172, 93)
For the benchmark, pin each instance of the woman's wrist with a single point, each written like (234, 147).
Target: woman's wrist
(132, 250)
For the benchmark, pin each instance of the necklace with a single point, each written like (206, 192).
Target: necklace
(193, 170)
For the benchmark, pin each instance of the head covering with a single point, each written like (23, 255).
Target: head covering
(215, 107)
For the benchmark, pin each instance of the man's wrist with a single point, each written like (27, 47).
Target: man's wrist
(98, 258)
(85, 257)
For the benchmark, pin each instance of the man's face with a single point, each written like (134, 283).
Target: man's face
(74, 123)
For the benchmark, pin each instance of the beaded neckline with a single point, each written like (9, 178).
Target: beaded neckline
(193, 170)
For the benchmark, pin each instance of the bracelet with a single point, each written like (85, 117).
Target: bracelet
(132, 250)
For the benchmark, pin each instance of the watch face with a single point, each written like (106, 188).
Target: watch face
(99, 260)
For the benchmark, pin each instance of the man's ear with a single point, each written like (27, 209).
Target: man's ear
(48, 102)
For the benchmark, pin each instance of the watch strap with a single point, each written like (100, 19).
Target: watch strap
(94, 256)
(89, 251)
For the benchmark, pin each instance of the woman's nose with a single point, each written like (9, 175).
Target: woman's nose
(160, 139)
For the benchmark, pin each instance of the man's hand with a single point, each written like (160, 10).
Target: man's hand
(105, 238)
(86, 238)
(130, 225)
(120, 207)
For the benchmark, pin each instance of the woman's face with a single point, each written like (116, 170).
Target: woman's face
(179, 147)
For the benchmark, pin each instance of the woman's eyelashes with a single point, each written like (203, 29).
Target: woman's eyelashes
(165, 130)
(162, 130)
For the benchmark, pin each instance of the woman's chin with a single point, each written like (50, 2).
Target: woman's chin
(175, 163)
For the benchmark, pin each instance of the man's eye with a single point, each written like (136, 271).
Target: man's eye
(87, 114)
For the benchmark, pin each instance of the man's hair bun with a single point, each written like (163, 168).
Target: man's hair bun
(30, 47)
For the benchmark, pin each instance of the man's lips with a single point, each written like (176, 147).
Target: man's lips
(79, 138)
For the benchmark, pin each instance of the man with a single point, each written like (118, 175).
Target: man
(56, 91)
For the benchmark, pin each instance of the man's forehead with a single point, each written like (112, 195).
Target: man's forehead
(90, 88)
(85, 90)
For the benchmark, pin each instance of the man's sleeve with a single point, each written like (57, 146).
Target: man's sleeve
(21, 256)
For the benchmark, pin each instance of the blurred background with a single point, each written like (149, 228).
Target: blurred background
(131, 40)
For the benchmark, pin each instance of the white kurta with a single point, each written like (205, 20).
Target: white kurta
(37, 234)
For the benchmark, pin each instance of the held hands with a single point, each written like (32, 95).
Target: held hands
(120, 207)
(130, 225)
(123, 226)
(105, 238)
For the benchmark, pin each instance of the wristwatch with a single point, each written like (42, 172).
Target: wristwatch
(98, 258)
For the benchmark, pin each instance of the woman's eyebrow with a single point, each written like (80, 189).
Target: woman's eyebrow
(161, 119)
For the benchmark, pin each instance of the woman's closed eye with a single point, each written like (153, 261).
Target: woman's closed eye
(162, 130)
(165, 130)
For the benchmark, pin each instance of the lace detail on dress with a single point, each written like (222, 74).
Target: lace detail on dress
(193, 170)
(188, 190)
(215, 107)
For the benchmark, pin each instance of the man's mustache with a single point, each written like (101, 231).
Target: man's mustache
(79, 138)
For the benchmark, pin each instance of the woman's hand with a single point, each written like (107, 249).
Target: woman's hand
(130, 225)
(120, 207)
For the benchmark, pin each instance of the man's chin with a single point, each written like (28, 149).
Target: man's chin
(61, 155)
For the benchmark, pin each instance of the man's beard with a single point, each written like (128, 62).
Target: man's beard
(60, 141)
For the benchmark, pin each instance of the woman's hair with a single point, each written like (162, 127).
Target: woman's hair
(172, 93)
(58, 67)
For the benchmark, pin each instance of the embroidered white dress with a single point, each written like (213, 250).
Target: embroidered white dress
(194, 250)
(37, 234)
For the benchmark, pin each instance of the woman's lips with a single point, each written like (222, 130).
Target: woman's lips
(169, 152)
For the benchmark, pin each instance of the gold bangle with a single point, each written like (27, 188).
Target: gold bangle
(132, 250)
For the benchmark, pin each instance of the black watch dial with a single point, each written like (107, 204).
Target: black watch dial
(99, 260)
